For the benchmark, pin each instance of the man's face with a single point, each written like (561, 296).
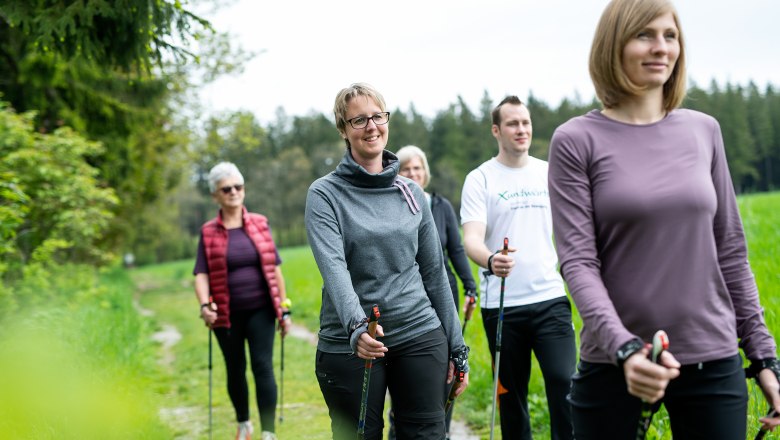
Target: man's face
(515, 131)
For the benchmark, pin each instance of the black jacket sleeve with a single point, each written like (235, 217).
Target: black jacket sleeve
(454, 245)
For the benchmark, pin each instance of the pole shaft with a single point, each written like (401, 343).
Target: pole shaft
(499, 328)
(210, 387)
(372, 323)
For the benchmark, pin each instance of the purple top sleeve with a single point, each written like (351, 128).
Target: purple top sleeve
(649, 237)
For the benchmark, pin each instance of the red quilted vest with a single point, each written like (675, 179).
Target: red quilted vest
(215, 241)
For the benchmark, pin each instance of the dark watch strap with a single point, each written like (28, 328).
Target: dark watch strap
(490, 263)
(756, 366)
(626, 350)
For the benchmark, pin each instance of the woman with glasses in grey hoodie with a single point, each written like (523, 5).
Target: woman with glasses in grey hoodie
(375, 242)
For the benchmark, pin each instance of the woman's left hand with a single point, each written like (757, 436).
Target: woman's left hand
(285, 324)
(771, 388)
(460, 387)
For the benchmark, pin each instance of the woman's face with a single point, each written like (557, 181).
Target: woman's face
(413, 169)
(649, 56)
(368, 142)
(229, 193)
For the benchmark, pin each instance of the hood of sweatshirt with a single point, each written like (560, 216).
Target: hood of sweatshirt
(355, 174)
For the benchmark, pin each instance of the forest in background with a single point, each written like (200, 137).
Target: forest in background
(280, 159)
(103, 150)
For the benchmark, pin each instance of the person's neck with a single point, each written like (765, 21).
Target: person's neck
(373, 164)
(232, 217)
(639, 110)
(512, 160)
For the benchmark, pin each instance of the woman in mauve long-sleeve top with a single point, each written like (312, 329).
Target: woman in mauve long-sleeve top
(649, 238)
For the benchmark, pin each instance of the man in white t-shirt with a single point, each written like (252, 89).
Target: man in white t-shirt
(507, 196)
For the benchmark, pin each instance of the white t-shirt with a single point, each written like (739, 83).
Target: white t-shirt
(515, 203)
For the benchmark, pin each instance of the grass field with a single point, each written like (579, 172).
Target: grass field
(75, 359)
(167, 291)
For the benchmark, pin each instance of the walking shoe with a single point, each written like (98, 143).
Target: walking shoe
(267, 435)
(244, 431)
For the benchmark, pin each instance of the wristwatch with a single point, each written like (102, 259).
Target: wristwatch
(756, 366)
(626, 350)
(460, 359)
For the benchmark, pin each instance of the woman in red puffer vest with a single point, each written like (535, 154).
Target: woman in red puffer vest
(240, 288)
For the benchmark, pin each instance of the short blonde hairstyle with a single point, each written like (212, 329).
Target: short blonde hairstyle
(409, 152)
(620, 21)
(346, 95)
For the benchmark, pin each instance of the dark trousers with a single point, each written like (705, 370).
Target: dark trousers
(546, 329)
(707, 401)
(257, 329)
(415, 373)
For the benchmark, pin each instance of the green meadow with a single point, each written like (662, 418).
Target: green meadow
(122, 353)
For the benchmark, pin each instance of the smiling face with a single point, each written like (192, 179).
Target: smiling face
(650, 56)
(232, 199)
(515, 131)
(414, 169)
(366, 143)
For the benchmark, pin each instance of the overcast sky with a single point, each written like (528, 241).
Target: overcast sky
(428, 52)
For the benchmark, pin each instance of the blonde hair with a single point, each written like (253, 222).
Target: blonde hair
(409, 152)
(346, 95)
(619, 22)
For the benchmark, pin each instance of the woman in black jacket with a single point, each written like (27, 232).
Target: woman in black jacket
(414, 165)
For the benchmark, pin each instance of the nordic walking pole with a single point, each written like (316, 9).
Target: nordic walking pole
(499, 327)
(212, 307)
(753, 372)
(286, 304)
(460, 374)
(660, 343)
(470, 298)
(281, 382)
(763, 432)
(372, 322)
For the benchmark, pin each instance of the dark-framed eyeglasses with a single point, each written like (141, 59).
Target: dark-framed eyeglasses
(359, 122)
(228, 189)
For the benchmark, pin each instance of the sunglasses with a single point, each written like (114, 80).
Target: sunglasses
(228, 189)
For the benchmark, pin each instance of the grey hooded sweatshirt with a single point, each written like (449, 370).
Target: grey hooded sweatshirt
(375, 242)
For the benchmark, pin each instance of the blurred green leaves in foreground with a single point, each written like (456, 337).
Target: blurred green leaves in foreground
(75, 367)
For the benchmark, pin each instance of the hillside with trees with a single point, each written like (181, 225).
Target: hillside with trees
(104, 150)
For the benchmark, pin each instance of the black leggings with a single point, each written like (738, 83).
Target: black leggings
(707, 401)
(257, 328)
(415, 373)
(546, 329)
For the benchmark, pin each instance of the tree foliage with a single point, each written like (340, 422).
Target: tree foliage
(116, 72)
(128, 34)
(279, 160)
(52, 207)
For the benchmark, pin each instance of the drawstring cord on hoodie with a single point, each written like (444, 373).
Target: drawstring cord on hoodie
(410, 200)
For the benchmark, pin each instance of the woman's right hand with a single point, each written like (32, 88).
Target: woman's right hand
(370, 348)
(648, 380)
(209, 314)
